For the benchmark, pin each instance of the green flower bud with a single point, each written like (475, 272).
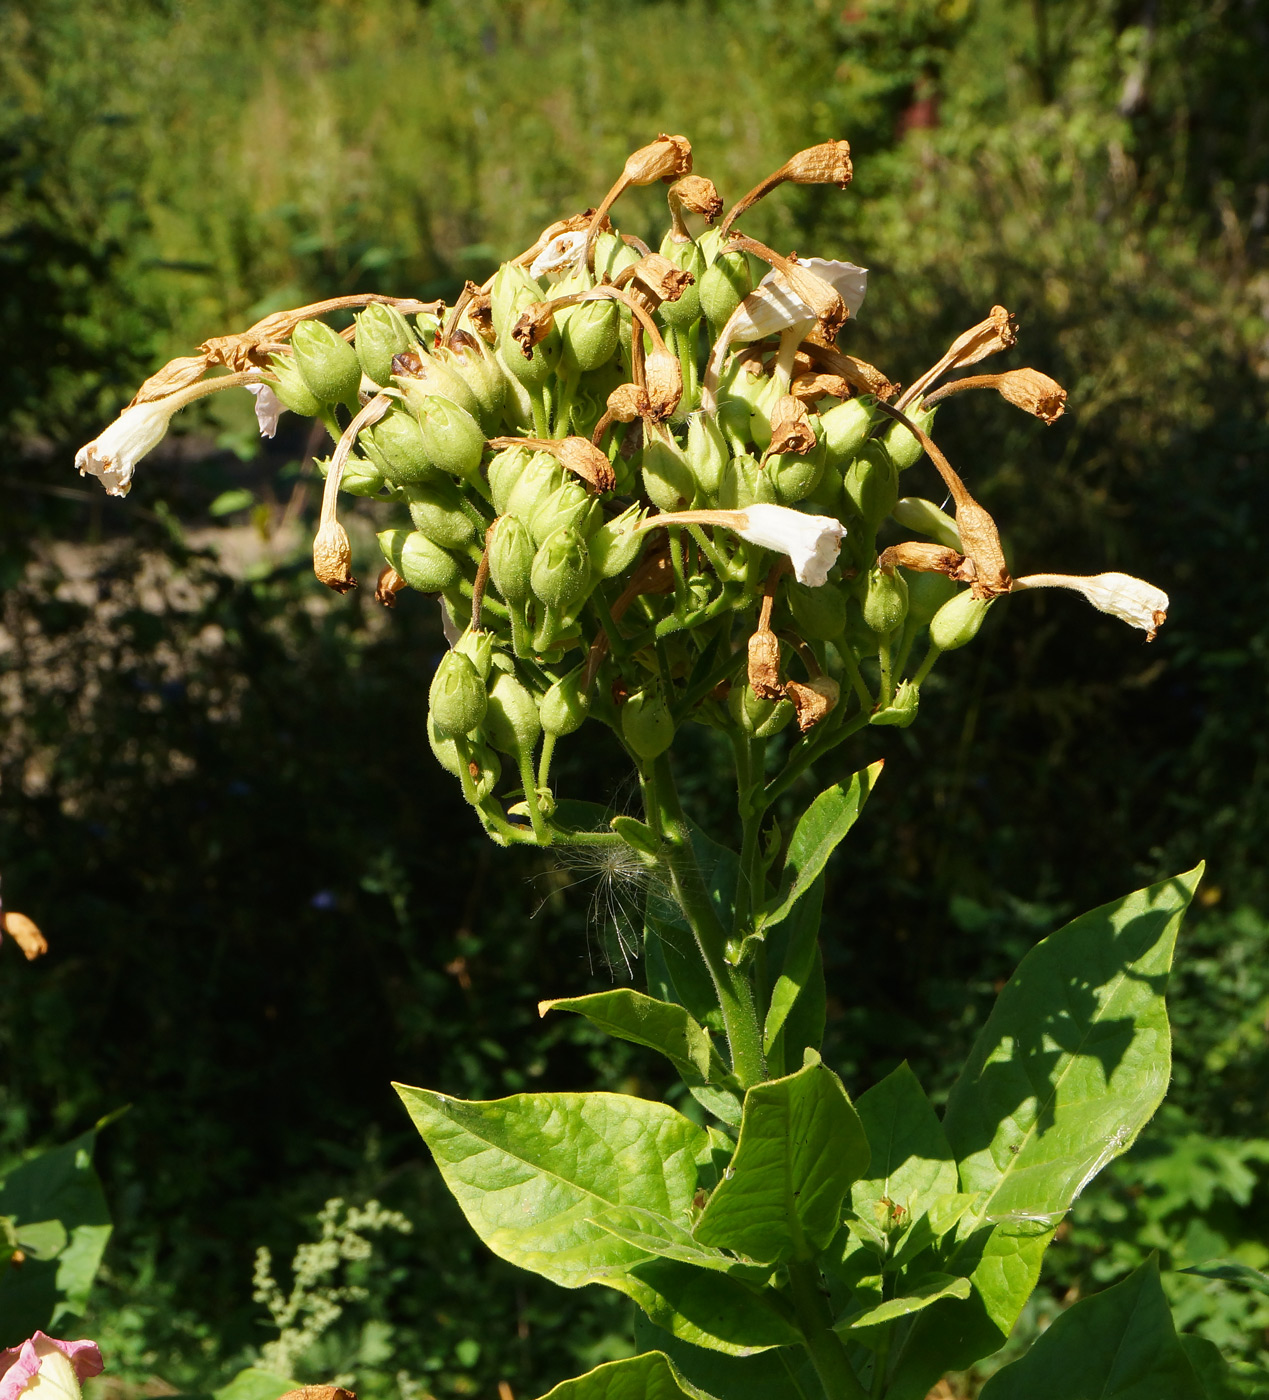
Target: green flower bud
(511, 559)
(488, 769)
(905, 451)
(538, 478)
(667, 478)
(478, 648)
(914, 513)
(382, 332)
(614, 546)
(423, 565)
(707, 453)
(561, 573)
(396, 441)
(569, 504)
(535, 371)
(612, 255)
(756, 716)
(902, 710)
(885, 601)
(589, 334)
(456, 698)
(745, 484)
(437, 512)
(511, 719)
(846, 428)
(957, 622)
(724, 284)
(646, 724)
(828, 496)
(291, 388)
(764, 401)
(820, 613)
(327, 363)
(359, 478)
(451, 436)
(513, 289)
(427, 327)
(504, 470)
(794, 477)
(437, 376)
(872, 485)
(926, 595)
(688, 256)
(480, 370)
(565, 705)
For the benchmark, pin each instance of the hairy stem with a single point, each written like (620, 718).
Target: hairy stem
(832, 1365)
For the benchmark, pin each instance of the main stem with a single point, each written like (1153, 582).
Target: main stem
(815, 1320)
(735, 996)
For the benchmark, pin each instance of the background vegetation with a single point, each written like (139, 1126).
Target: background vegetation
(265, 900)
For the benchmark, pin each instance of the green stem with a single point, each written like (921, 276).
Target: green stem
(832, 1365)
(816, 749)
(540, 829)
(856, 679)
(544, 760)
(735, 996)
(881, 1357)
(883, 662)
(927, 665)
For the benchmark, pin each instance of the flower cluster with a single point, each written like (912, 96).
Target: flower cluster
(648, 486)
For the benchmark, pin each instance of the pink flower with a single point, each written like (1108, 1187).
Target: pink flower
(43, 1368)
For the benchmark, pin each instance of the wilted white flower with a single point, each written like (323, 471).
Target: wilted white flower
(563, 251)
(773, 306)
(812, 542)
(269, 408)
(114, 454)
(1132, 600)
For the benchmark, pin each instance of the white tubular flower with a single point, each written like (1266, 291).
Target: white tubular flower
(269, 408)
(812, 542)
(846, 279)
(561, 253)
(1132, 600)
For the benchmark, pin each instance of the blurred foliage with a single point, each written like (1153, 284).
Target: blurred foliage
(265, 901)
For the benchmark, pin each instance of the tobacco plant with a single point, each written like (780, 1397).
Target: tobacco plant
(650, 493)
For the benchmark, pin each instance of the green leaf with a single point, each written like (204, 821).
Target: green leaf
(779, 1373)
(931, 1288)
(817, 835)
(1231, 1272)
(912, 1163)
(59, 1211)
(651, 1376)
(1116, 1345)
(798, 962)
(660, 1025)
(716, 1311)
(655, 1235)
(801, 1146)
(229, 501)
(1221, 1379)
(532, 1171)
(255, 1384)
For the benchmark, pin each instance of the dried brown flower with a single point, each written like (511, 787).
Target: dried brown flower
(666, 158)
(810, 388)
(998, 332)
(659, 276)
(332, 557)
(175, 375)
(812, 700)
(627, 402)
(926, 557)
(662, 383)
(584, 459)
(697, 195)
(25, 933)
(791, 429)
(825, 164)
(389, 585)
(535, 324)
(1026, 389)
(764, 664)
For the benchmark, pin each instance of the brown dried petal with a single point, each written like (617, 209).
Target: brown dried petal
(998, 332)
(1033, 392)
(659, 275)
(480, 314)
(825, 164)
(922, 556)
(810, 387)
(389, 585)
(666, 158)
(697, 194)
(812, 700)
(533, 327)
(332, 557)
(25, 934)
(663, 382)
(319, 1392)
(176, 374)
(981, 542)
(764, 664)
(584, 459)
(859, 374)
(627, 402)
(791, 429)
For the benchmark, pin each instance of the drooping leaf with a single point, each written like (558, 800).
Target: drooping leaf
(651, 1376)
(60, 1219)
(798, 961)
(716, 1311)
(929, 1290)
(1072, 1063)
(1230, 1271)
(801, 1146)
(780, 1373)
(817, 835)
(660, 1025)
(1117, 1345)
(532, 1171)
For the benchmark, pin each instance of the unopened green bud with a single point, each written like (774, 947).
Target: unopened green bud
(382, 332)
(475, 756)
(688, 256)
(793, 477)
(770, 392)
(927, 592)
(359, 477)
(423, 565)
(451, 436)
(707, 453)
(480, 370)
(437, 511)
(724, 284)
(538, 478)
(456, 698)
(511, 719)
(904, 449)
(757, 717)
(613, 255)
(504, 470)
(646, 723)
(589, 333)
(846, 428)
(637, 834)
(478, 648)
(615, 546)
(745, 484)
(511, 559)
(828, 496)
(561, 573)
(885, 601)
(957, 622)
(327, 363)
(513, 289)
(902, 710)
(433, 376)
(397, 442)
(915, 513)
(667, 478)
(820, 613)
(291, 388)
(427, 327)
(569, 504)
(564, 707)
(872, 484)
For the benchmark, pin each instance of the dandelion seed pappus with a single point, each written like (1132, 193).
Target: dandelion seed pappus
(618, 880)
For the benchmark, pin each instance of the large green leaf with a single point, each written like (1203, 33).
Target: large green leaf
(817, 835)
(1073, 1061)
(1116, 1345)
(654, 1234)
(780, 1373)
(799, 960)
(912, 1163)
(532, 1171)
(61, 1222)
(1231, 1271)
(660, 1025)
(801, 1146)
(1221, 1379)
(930, 1289)
(651, 1376)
